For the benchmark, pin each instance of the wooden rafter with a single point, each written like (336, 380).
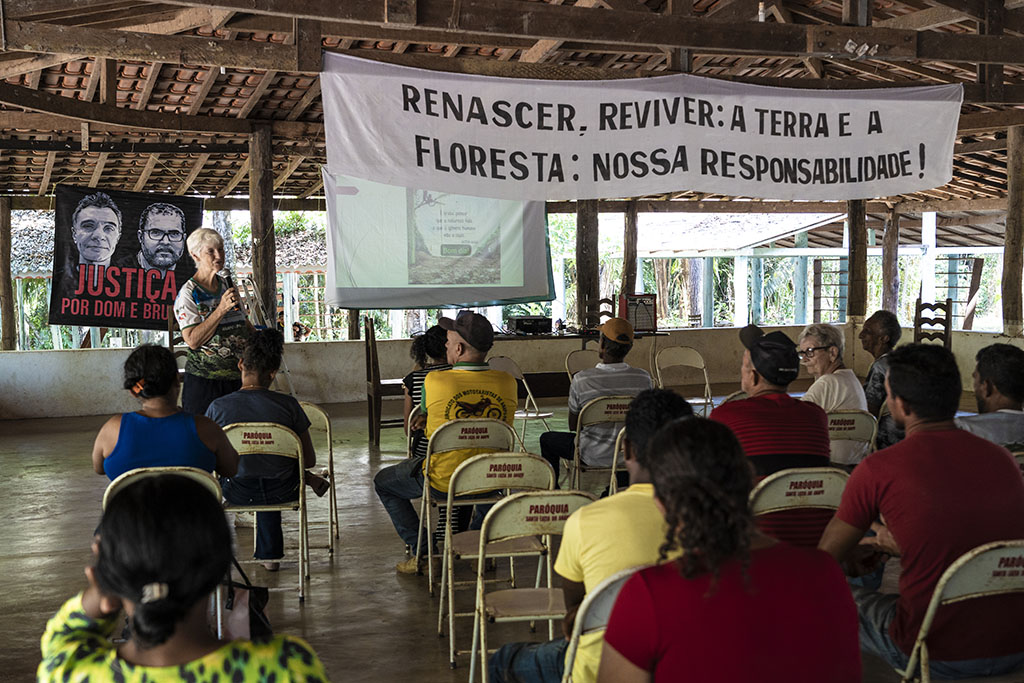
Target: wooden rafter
(97, 172)
(44, 184)
(197, 167)
(147, 171)
(292, 166)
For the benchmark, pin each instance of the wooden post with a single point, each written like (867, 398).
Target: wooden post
(629, 250)
(1013, 257)
(261, 215)
(928, 223)
(890, 263)
(354, 325)
(757, 291)
(587, 283)
(857, 298)
(816, 291)
(740, 293)
(708, 292)
(8, 323)
(800, 282)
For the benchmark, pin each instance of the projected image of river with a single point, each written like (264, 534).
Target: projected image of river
(453, 239)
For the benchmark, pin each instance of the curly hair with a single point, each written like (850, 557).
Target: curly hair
(263, 351)
(429, 346)
(703, 480)
(648, 412)
(889, 325)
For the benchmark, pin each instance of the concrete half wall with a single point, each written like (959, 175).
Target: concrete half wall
(88, 382)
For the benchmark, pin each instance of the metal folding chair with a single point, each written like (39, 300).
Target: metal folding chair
(494, 474)
(604, 410)
(593, 613)
(581, 359)
(684, 357)
(800, 488)
(530, 409)
(270, 438)
(978, 573)
(540, 514)
(620, 454)
(454, 435)
(853, 425)
(320, 422)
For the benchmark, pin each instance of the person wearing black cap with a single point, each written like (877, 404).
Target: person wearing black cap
(611, 377)
(469, 390)
(776, 430)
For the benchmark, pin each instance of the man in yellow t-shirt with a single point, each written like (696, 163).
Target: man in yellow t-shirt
(469, 390)
(623, 531)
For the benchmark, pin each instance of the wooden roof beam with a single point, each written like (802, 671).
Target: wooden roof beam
(147, 47)
(197, 167)
(97, 171)
(147, 87)
(292, 166)
(147, 171)
(44, 184)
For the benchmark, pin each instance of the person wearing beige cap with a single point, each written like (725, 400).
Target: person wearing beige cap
(469, 390)
(611, 377)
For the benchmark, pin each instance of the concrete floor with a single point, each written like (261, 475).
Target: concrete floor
(366, 622)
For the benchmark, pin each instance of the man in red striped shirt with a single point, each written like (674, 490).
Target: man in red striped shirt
(776, 430)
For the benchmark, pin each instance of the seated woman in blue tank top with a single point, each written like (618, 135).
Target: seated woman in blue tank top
(159, 434)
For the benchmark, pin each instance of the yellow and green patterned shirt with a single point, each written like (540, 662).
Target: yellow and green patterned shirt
(77, 649)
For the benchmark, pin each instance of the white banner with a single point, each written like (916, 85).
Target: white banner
(541, 140)
(397, 247)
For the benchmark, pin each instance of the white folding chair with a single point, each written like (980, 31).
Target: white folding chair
(620, 453)
(684, 357)
(203, 477)
(270, 438)
(859, 426)
(805, 488)
(581, 359)
(593, 613)
(604, 410)
(540, 514)
(530, 410)
(495, 474)
(978, 573)
(320, 422)
(481, 434)
(207, 480)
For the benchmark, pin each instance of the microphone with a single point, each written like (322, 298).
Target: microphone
(225, 275)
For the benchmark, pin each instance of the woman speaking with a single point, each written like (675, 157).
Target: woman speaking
(212, 324)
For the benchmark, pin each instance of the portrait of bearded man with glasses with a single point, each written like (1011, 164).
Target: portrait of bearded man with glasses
(161, 238)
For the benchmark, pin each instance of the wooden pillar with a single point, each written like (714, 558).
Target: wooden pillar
(928, 256)
(8, 323)
(261, 216)
(757, 291)
(890, 263)
(800, 282)
(741, 314)
(587, 282)
(629, 250)
(1013, 258)
(354, 324)
(857, 298)
(708, 292)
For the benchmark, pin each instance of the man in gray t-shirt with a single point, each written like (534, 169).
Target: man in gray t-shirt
(999, 390)
(611, 377)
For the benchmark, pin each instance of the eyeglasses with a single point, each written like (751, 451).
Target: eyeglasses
(157, 235)
(807, 353)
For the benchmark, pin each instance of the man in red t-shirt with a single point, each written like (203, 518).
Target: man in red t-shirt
(776, 430)
(940, 492)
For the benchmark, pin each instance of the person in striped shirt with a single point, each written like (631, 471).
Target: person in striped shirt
(612, 377)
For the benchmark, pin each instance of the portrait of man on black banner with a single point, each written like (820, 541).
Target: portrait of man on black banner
(108, 275)
(95, 229)
(161, 238)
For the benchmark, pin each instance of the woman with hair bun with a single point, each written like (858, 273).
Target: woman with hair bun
(266, 479)
(736, 605)
(159, 434)
(162, 547)
(429, 353)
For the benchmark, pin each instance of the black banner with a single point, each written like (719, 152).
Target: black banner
(120, 257)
